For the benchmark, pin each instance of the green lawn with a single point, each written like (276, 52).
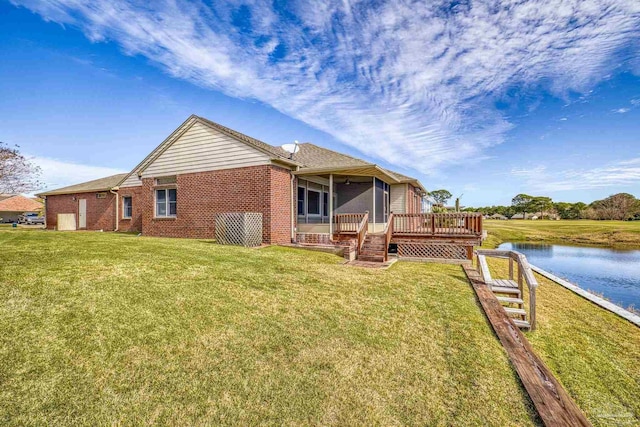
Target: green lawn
(594, 353)
(579, 232)
(103, 328)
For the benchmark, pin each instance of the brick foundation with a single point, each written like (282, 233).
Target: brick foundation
(314, 238)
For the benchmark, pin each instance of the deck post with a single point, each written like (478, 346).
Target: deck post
(331, 206)
(374, 204)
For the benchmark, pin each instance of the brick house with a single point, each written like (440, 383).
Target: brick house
(14, 205)
(204, 168)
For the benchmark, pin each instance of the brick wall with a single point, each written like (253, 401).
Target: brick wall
(280, 212)
(264, 189)
(100, 212)
(133, 224)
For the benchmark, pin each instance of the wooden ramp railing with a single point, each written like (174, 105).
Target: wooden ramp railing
(509, 292)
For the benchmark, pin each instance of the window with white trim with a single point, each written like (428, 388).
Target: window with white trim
(127, 207)
(166, 202)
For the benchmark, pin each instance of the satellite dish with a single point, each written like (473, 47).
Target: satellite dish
(291, 148)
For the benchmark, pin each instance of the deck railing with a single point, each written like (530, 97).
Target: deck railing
(348, 223)
(363, 227)
(388, 232)
(434, 224)
(525, 275)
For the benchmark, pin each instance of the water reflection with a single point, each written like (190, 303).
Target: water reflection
(612, 273)
(539, 249)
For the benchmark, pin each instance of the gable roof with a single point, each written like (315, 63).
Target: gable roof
(309, 158)
(102, 184)
(274, 153)
(19, 203)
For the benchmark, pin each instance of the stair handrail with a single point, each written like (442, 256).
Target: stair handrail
(525, 273)
(363, 227)
(388, 232)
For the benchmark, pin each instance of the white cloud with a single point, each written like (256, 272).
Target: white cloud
(616, 175)
(59, 173)
(414, 83)
(621, 110)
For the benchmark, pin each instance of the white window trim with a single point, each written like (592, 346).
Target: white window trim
(124, 215)
(155, 203)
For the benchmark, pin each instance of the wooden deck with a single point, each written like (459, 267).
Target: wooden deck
(552, 402)
(429, 236)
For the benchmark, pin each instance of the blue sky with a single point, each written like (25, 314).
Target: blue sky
(486, 99)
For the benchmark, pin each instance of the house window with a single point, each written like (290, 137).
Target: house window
(301, 200)
(166, 202)
(313, 203)
(126, 207)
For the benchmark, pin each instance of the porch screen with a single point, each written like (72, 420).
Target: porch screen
(313, 204)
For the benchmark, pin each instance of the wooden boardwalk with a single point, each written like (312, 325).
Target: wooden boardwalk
(552, 402)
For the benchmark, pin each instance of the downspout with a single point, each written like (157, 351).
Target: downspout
(117, 210)
(293, 209)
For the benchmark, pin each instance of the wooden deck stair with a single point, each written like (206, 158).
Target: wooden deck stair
(374, 248)
(509, 292)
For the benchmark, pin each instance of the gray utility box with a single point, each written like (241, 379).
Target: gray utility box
(239, 228)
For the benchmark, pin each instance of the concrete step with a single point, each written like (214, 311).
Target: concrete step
(371, 258)
(371, 253)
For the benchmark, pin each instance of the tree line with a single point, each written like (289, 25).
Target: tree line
(621, 206)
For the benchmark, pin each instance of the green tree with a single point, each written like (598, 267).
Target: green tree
(540, 204)
(521, 203)
(440, 196)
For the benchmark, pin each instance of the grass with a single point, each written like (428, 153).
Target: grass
(593, 352)
(620, 234)
(103, 328)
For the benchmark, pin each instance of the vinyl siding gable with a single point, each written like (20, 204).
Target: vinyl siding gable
(398, 199)
(200, 149)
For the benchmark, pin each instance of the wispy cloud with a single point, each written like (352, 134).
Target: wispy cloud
(615, 175)
(59, 173)
(413, 83)
(621, 110)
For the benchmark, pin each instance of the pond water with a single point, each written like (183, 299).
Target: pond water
(610, 272)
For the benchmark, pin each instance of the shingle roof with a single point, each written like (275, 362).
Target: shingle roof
(19, 203)
(102, 184)
(313, 156)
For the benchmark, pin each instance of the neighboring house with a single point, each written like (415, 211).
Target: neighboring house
(14, 205)
(522, 216)
(497, 216)
(204, 168)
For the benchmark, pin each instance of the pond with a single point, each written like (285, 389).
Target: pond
(610, 272)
